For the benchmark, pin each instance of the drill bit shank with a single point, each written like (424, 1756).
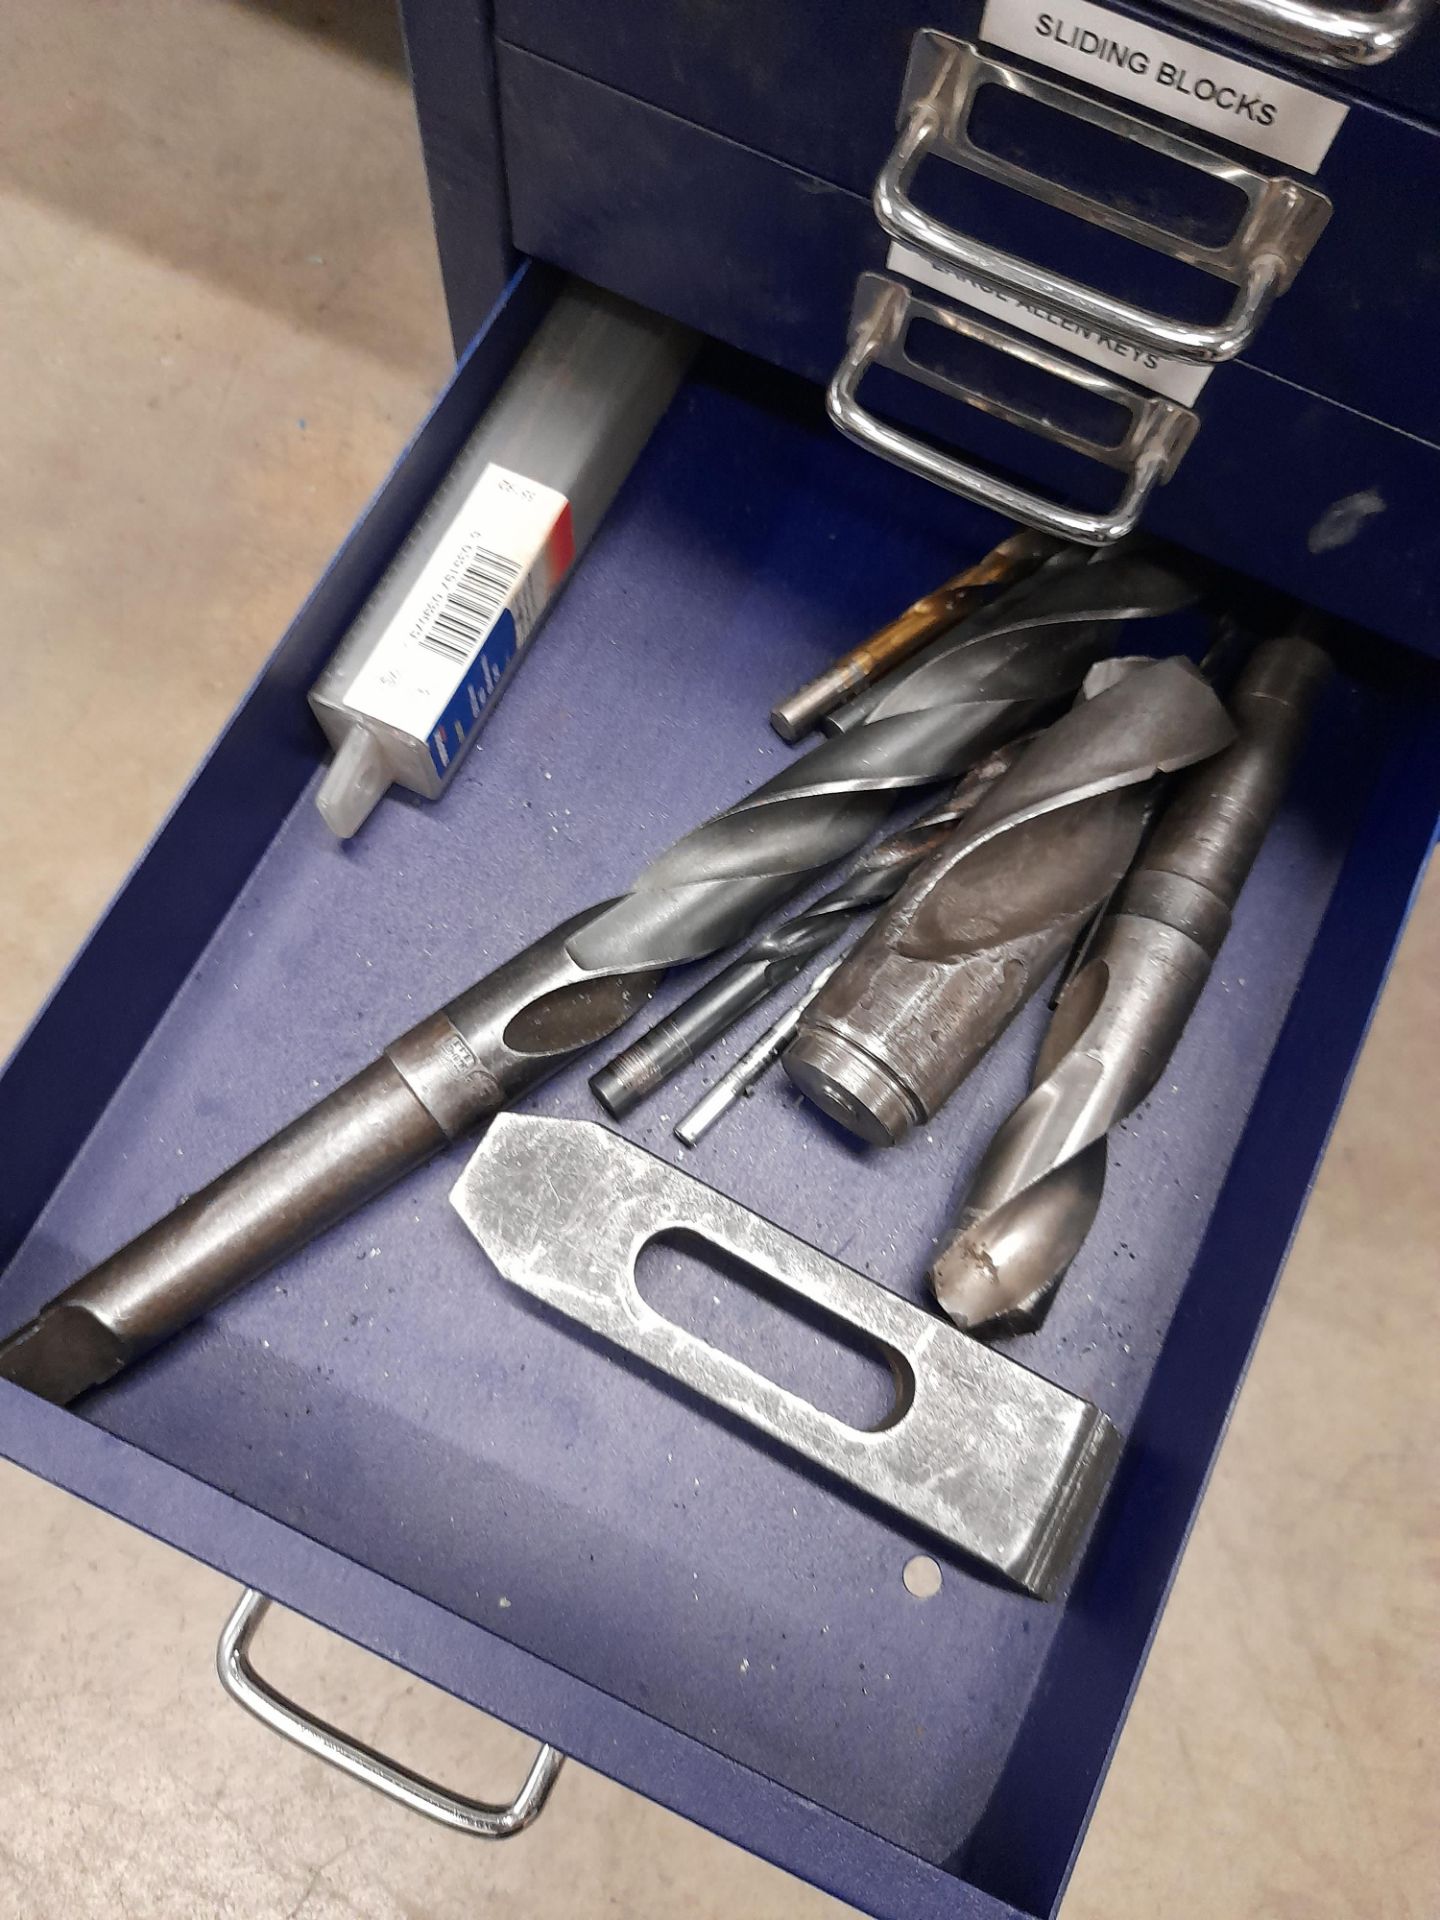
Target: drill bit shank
(1038, 1188)
(974, 932)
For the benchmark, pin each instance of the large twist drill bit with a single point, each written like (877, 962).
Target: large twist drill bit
(927, 990)
(786, 950)
(1029, 650)
(1016, 663)
(522, 1022)
(1039, 1186)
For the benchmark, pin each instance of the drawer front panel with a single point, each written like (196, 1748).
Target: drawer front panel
(766, 257)
(385, 1437)
(818, 86)
(720, 62)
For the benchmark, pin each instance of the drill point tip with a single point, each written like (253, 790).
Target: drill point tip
(967, 1286)
(995, 1289)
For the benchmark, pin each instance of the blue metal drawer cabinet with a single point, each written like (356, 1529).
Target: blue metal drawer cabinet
(385, 1436)
(1310, 493)
(817, 86)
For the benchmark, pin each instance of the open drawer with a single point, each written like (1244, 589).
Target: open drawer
(386, 1437)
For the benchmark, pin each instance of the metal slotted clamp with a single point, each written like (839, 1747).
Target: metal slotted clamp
(1158, 433)
(1282, 218)
(478, 1818)
(993, 1459)
(1330, 36)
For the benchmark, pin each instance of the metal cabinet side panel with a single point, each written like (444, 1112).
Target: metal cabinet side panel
(450, 48)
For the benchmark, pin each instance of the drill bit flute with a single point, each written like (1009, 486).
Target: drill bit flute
(933, 614)
(1070, 590)
(517, 1026)
(1030, 649)
(928, 989)
(785, 951)
(1039, 1186)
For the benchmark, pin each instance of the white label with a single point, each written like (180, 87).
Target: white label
(1159, 70)
(469, 613)
(1178, 379)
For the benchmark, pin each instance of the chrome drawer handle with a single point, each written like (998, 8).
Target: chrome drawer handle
(1159, 431)
(478, 1818)
(1330, 36)
(1281, 223)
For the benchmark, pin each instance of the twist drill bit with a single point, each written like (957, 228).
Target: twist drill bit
(1030, 650)
(1038, 1188)
(924, 993)
(1226, 638)
(1072, 590)
(522, 1022)
(934, 613)
(779, 955)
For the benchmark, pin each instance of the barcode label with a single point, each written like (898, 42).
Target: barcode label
(446, 649)
(469, 610)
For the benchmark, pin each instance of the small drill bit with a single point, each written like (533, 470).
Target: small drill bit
(927, 990)
(510, 1031)
(741, 1079)
(932, 614)
(1039, 1186)
(778, 956)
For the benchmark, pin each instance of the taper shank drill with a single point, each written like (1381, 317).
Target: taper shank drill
(1039, 1186)
(924, 994)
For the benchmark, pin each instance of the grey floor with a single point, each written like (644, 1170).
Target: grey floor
(221, 317)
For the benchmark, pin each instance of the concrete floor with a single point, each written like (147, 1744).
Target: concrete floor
(221, 318)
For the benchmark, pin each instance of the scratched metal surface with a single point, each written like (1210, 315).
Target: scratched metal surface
(387, 1394)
